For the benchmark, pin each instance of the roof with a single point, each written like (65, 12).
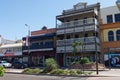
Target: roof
(45, 31)
(40, 37)
(11, 45)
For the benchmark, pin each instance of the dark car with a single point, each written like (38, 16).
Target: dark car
(18, 65)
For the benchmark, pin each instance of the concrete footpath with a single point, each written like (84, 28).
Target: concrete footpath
(108, 72)
(102, 73)
(10, 70)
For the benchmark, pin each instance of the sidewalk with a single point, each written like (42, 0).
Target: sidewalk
(9, 70)
(107, 72)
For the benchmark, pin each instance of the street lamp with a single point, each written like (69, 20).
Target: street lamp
(118, 4)
(28, 43)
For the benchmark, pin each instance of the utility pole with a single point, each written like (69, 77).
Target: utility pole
(28, 43)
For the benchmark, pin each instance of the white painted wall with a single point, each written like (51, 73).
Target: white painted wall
(109, 11)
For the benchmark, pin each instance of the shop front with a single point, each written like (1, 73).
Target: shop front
(11, 52)
(112, 59)
(37, 58)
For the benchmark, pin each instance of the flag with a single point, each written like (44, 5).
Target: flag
(27, 40)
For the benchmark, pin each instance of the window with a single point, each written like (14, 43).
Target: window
(110, 36)
(68, 37)
(76, 35)
(86, 35)
(117, 17)
(109, 19)
(118, 35)
(85, 20)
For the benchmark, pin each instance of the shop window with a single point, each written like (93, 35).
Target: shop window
(118, 35)
(109, 19)
(110, 36)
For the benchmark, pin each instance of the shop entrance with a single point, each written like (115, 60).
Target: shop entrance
(38, 61)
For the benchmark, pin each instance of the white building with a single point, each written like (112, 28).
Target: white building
(78, 24)
(5, 41)
(11, 52)
(110, 14)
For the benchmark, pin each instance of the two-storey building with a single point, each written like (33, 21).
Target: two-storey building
(78, 24)
(110, 35)
(41, 46)
(11, 52)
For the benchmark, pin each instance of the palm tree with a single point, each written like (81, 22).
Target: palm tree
(82, 48)
(74, 45)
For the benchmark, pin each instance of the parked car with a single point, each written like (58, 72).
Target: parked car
(17, 64)
(5, 64)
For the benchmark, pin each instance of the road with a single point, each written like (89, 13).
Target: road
(38, 77)
(9, 76)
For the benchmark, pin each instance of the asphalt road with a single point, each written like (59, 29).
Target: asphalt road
(9, 76)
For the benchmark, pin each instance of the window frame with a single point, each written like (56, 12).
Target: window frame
(110, 36)
(118, 35)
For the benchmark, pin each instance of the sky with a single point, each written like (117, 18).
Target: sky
(14, 14)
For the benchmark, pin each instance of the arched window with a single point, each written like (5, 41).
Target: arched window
(118, 35)
(110, 36)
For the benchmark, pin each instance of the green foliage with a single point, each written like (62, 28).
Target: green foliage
(50, 64)
(75, 62)
(36, 71)
(89, 73)
(74, 45)
(73, 72)
(2, 71)
(55, 71)
(79, 72)
(84, 60)
(32, 71)
(66, 72)
(26, 70)
(58, 71)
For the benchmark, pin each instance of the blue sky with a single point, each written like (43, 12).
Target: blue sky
(14, 14)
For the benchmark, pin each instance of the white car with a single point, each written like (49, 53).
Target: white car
(5, 64)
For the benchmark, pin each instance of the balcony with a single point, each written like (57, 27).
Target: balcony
(36, 46)
(78, 26)
(78, 29)
(77, 23)
(86, 40)
(69, 49)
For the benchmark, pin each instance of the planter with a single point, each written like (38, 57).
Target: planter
(91, 66)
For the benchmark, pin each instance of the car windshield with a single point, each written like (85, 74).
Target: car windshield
(4, 61)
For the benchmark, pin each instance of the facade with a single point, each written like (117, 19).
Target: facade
(78, 24)
(11, 52)
(110, 36)
(41, 46)
(5, 41)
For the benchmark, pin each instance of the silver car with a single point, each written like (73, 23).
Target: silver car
(5, 64)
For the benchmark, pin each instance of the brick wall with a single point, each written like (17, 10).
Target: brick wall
(45, 31)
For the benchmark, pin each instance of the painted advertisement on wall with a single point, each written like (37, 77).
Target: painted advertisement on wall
(10, 52)
(114, 59)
